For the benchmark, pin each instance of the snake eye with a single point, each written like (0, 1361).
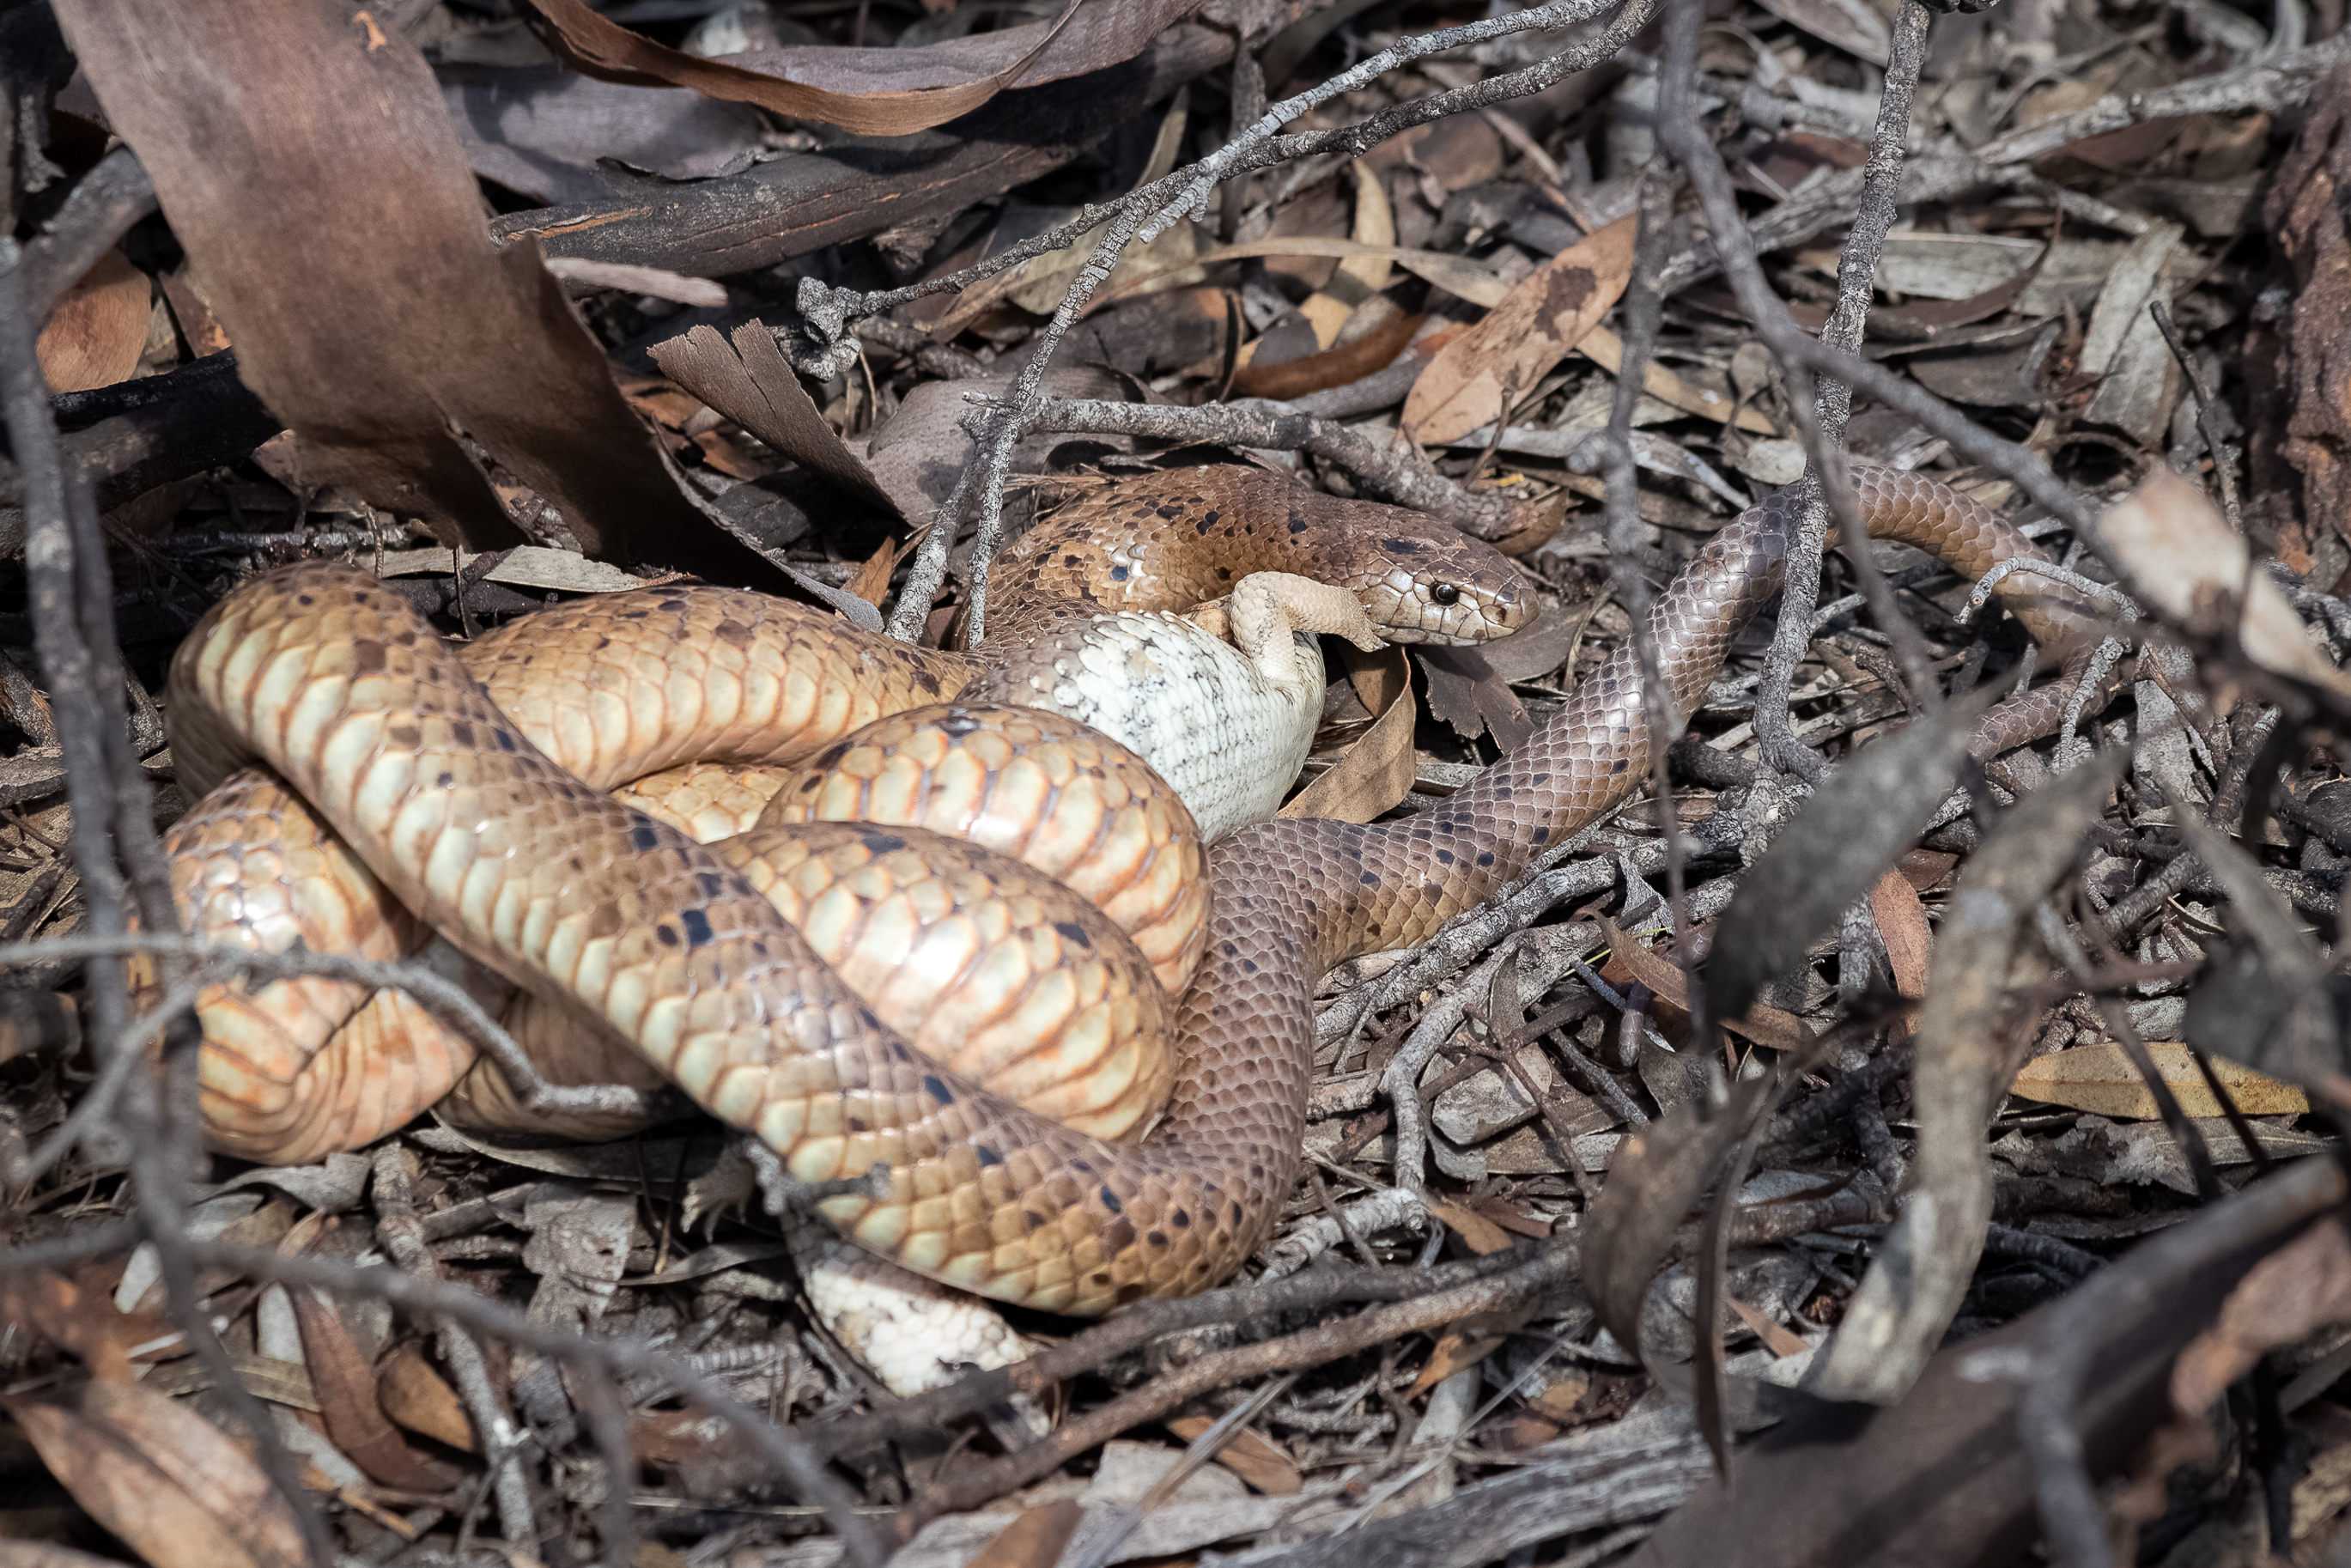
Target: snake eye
(1445, 593)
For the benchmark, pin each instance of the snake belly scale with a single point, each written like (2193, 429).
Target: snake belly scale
(326, 677)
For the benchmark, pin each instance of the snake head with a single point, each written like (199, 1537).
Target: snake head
(1424, 582)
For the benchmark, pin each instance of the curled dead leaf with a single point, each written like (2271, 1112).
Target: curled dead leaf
(1377, 771)
(874, 92)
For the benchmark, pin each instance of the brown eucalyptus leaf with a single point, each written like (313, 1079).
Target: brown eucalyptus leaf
(874, 92)
(2296, 1290)
(97, 332)
(1035, 1538)
(1902, 925)
(160, 1477)
(1479, 1234)
(1377, 771)
(1456, 1351)
(2100, 1079)
(1374, 350)
(346, 1391)
(1532, 329)
(416, 1396)
(1253, 1458)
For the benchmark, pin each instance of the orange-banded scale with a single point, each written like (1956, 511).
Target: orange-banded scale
(986, 966)
(1042, 789)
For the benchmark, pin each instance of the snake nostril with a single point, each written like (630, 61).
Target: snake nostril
(1445, 593)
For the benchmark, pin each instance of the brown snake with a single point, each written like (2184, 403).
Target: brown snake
(327, 677)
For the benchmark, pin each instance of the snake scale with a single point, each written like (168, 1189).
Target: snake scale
(330, 680)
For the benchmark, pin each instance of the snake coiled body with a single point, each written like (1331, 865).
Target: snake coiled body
(326, 678)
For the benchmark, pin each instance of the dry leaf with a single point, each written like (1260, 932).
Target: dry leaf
(2186, 561)
(1286, 379)
(413, 1393)
(1925, 869)
(276, 136)
(1902, 923)
(1480, 1234)
(1456, 1351)
(1522, 1431)
(2303, 1286)
(1851, 25)
(98, 329)
(1763, 1025)
(1248, 1455)
(1377, 771)
(2100, 1079)
(1606, 349)
(1359, 277)
(871, 582)
(1465, 693)
(1035, 1538)
(529, 566)
(345, 1392)
(191, 307)
(159, 1476)
(749, 381)
(1499, 1211)
(867, 91)
(1545, 315)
